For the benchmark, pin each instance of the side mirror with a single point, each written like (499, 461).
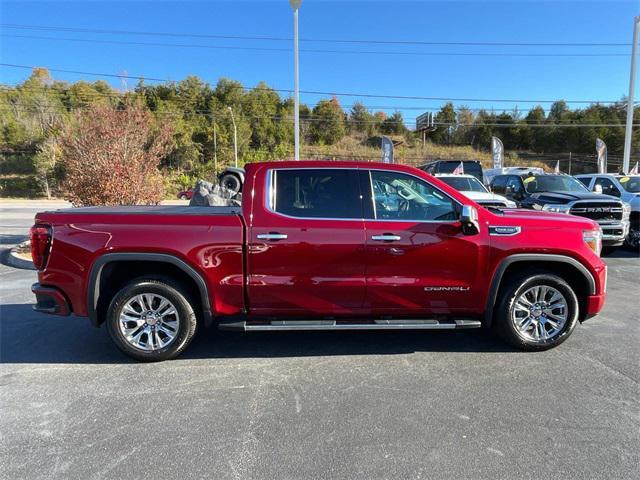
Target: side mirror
(469, 220)
(597, 189)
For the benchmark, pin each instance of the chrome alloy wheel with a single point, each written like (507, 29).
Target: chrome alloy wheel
(149, 322)
(540, 313)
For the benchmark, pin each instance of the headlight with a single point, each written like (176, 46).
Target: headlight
(626, 211)
(556, 208)
(593, 238)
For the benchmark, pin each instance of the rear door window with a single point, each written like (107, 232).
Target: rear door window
(316, 193)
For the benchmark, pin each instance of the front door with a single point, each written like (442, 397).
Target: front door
(418, 260)
(307, 245)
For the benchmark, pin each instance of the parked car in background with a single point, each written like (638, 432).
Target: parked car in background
(320, 246)
(627, 189)
(470, 167)
(555, 192)
(185, 194)
(489, 173)
(471, 187)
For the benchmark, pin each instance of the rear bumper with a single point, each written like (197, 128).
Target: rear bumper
(50, 300)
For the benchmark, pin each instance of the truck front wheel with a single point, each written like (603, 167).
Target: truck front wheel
(536, 311)
(151, 320)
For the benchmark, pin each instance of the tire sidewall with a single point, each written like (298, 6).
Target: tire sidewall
(186, 328)
(508, 329)
(231, 179)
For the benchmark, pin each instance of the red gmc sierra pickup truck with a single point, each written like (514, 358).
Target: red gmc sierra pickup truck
(320, 246)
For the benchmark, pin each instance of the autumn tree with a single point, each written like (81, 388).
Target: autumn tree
(111, 156)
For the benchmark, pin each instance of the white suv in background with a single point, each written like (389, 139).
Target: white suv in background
(627, 189)
(471, 187)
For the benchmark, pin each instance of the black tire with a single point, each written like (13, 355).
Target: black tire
(632, 242)
(513, 290)
(231, 182)
(176, 295)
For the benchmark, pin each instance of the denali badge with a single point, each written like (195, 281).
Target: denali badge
(447, 289)
(503, 230)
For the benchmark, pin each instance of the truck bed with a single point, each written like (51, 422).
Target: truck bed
(150, 210)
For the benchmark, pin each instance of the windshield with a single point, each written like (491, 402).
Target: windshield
(552, 183)
(630, 184)
(464, 184)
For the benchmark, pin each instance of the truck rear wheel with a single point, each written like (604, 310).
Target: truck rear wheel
(536, 311)
(151, 320)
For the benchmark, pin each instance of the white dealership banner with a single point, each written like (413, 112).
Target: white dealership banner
(497, 152)
(387, 150)
(601, 151)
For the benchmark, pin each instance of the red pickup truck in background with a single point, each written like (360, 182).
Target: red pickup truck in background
(320, 246)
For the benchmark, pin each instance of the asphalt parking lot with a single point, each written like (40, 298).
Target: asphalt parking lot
(431, 405)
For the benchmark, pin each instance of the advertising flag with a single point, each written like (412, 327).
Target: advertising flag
(497, 152)
(387, 150)
(634, 170)
(601, 150)
(557, 169)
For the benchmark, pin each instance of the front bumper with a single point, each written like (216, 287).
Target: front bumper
(50, 300)
(614, 233)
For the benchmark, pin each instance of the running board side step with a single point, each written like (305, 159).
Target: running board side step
(345, 325)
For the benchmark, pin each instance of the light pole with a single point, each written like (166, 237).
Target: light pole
(235, 136)
(295, 4)
(215, 147)
(632, 81)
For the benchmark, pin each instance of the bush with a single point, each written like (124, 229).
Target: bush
(111, 157)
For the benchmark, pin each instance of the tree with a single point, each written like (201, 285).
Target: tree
(394, 125)
(445, 121)
(361, 120)
(111, 156)
(327, 122)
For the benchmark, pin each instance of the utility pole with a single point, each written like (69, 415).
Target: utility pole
(215, 148)
(295, 4)
(632, 82)
(235, 137)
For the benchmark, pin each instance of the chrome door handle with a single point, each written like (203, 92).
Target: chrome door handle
(272, 236)
(386, 238)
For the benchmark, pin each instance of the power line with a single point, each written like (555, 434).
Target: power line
(307, 50)
(314, 92)
(319, 40)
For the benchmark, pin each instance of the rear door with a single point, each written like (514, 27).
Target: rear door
(307, 244)
(418, 260)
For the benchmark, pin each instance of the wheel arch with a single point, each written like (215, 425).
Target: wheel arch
(568, 268)
(160, 265)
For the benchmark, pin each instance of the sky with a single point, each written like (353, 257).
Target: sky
(388, 69)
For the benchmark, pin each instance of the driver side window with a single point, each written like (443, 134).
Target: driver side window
(608, 188)
(397, 196)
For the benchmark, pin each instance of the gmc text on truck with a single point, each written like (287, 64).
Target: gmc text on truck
(320, 246)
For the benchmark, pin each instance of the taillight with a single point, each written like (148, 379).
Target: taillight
(40, 245)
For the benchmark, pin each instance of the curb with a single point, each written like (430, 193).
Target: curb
(13, 260)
